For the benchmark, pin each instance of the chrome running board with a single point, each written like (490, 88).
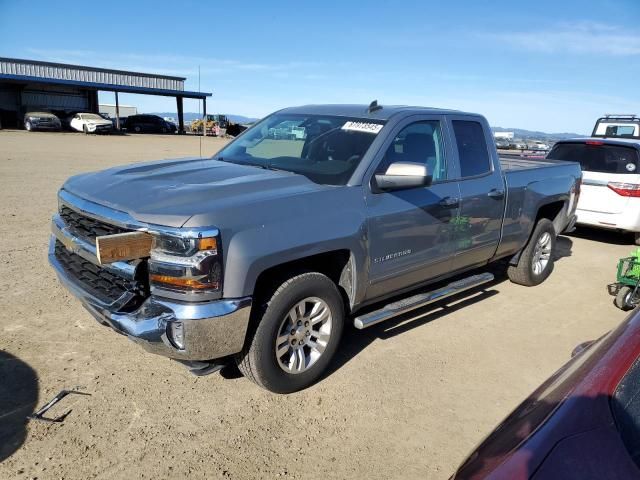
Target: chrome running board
(402, 306)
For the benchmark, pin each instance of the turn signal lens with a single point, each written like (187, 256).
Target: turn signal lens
(208, 244)
(188, 283)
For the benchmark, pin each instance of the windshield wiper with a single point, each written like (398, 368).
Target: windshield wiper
(266, 166)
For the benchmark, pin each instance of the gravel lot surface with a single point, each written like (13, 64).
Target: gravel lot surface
(406, 399)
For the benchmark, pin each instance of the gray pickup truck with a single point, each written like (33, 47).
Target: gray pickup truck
(261, 254)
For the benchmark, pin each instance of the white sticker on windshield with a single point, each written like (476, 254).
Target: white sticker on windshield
(631, 167)
(363, 127)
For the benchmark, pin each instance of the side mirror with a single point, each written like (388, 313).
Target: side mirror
(402, 176)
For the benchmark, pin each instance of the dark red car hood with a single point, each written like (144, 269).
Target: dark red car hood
(566, 429)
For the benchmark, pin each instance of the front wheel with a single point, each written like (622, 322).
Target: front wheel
(623, 298)
(28, 126)
(536, 260)
(295, 335)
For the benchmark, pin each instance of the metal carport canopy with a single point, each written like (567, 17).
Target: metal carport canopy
(109, 87)
(21, 71)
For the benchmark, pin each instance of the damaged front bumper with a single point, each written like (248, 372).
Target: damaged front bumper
(178, 330)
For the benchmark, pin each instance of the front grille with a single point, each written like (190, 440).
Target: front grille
(87, 228)
(99, 282)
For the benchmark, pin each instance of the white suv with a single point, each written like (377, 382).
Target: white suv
(610, 193)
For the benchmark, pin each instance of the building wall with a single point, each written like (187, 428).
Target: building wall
(506, 135)
(18, 99)
(55, 98)
(125, 110)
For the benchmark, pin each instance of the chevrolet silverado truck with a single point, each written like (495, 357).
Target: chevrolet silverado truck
(261, 254)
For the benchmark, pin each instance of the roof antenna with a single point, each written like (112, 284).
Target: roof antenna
(374, 107)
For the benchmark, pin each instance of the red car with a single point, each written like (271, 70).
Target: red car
(582, 423)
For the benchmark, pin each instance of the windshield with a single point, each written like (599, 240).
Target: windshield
(325, 149)
(598, 157)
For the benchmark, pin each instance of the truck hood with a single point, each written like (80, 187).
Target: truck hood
(170, 192)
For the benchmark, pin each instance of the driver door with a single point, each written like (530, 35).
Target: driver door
(410, 231)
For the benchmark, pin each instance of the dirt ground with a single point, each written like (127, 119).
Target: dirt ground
(405, 399)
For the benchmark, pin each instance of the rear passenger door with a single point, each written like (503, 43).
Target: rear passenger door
(410, 231)
(478, 227)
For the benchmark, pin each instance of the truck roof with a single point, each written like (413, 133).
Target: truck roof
(362, 111)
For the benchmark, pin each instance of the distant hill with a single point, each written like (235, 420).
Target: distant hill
(190, 116)
(517, 132)
(533, 135)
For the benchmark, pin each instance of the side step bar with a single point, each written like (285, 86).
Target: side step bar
(405, 305)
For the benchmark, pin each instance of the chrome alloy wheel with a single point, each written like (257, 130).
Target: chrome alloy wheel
(542, 253)
(303, 335)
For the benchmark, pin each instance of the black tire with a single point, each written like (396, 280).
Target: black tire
(623, 299)
(524, 272)
(258, 361)
(137, 129)
(85, 129)
(636, 238)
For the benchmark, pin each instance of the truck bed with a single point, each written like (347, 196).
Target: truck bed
(516, 162)
(530, 181)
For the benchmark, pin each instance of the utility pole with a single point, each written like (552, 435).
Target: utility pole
(117, 113)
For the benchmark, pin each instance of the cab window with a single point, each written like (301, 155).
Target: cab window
(472, 148)
(419, 142)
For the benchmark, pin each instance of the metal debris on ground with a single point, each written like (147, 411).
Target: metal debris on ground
(39, 415)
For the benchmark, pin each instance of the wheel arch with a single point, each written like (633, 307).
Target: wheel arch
(337, 265)
(554, 210)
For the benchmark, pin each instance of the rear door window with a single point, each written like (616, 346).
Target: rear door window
(472, 148)
(598, 157)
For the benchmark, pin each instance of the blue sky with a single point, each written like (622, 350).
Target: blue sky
(546, 65)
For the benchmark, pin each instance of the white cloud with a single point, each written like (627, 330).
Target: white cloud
(181, 65)
(576, 38)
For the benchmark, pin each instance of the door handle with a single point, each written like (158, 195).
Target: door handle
(495, 193)
(449, 202)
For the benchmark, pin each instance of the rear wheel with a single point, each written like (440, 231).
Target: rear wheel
(623, 298)
(636, 238)
(295, 335)
(536, 260)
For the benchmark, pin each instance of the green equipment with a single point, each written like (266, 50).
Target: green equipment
(625, 289)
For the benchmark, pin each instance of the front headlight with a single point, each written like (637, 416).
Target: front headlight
(186, 267)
